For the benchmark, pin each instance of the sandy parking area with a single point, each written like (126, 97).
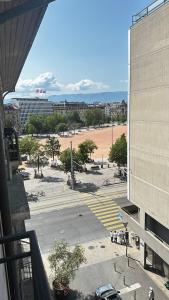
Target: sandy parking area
(102, 137)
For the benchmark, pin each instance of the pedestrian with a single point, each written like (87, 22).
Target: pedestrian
(111, 236)
(115, 236)
(120, 237)
(151, 293)
(126, 237)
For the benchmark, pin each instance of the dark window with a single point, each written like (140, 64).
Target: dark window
(160, 231)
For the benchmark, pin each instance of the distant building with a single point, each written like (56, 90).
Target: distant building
(115, 109)
(65, 107)
(12, 117)
(32, 106)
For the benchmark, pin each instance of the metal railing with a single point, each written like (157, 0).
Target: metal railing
(148, 10)
(32, 277)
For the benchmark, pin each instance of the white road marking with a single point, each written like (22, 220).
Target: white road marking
(130, 288)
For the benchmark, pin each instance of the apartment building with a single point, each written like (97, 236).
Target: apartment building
(64, 107)
(32, 106)
(116, 109)
(148, 136)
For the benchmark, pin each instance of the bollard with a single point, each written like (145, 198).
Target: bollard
(124, 280)
(115, 267)
(128, 261)
(135, 295)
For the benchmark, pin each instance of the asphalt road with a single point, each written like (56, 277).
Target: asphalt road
(90, 277)
(75, 225)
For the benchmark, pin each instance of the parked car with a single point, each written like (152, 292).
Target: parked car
(95, 167)
(107, 292)
(24, 175)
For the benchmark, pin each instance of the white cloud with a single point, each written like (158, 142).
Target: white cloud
(48, 82)
(84, 85)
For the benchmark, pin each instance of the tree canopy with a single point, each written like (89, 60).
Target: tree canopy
(52, 147)
(118, 151)
(65, 159)
(28, 145)
(85, 149)
(64, 262)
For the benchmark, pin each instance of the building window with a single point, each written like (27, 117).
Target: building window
(158, 230)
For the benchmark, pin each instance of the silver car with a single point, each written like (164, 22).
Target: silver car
(107, 292)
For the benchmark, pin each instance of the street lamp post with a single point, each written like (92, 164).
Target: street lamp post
(72, 170)
(112, 133)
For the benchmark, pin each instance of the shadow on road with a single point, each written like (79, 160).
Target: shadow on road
(94, 172)
(86, 187)
(51, 179)
(76, 295)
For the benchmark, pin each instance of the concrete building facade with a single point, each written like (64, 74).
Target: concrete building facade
(65, 107)
(116, 109)
(32, 106)
(148, 138)
(12, 116)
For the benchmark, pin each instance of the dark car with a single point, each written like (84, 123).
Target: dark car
(107, 292)
(24, 175)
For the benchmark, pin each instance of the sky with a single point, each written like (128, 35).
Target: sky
(81, 47)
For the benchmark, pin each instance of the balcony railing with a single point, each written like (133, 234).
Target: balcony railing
(148, 10)
(32, 280)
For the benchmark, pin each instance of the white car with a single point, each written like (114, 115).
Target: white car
(107, 292)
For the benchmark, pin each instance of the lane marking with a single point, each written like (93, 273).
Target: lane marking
(115, 211)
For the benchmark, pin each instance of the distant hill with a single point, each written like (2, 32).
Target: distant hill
(90, 98)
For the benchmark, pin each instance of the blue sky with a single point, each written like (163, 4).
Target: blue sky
(81, 46)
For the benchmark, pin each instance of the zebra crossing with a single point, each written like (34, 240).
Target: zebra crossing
(106, 210)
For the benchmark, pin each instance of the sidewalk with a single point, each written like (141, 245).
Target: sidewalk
(102, 250)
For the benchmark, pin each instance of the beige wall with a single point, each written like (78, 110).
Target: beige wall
(149, 115)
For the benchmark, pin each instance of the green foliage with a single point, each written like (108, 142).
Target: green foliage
(118, 151)
(28, 145)
(52, 147)
(94, 117)
(64, 262)
(53, 120)
(85, 149)
(73, 117)
(61, 127)
(65, 159)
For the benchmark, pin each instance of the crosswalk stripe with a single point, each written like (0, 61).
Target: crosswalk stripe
(120, 226)
(105, 212)
(112, 222)
(108, 217)
(102, 204)
(101, 209)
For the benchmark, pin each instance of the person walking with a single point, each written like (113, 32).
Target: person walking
(115, 236)
(151, 293)
(120, 237)
(111, 236)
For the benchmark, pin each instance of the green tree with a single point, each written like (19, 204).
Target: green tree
(85, 149)
(53, 120)
(64, 262)
(94, 117)
(118, 151)
(28, 145)
(52, 147)
(61, 127)
(65, 159)
(73, 117)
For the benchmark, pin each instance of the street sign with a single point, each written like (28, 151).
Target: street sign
(120, 216)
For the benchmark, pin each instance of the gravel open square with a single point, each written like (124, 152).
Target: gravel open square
(102, 137)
